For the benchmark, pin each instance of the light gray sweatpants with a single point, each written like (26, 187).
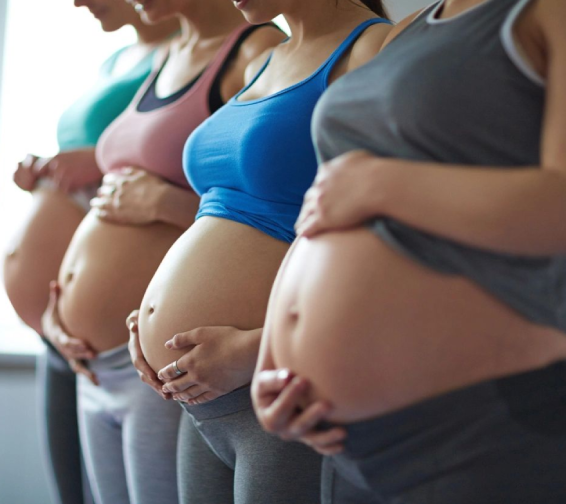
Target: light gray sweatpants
(128, 433)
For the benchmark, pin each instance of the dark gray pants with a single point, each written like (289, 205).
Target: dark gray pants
(239, 463)
(498, 442)
(59, 430)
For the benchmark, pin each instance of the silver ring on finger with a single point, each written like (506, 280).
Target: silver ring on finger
(112, 190)
(178, 372)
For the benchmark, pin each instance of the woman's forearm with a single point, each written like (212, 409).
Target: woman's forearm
(265, 359)
(177, 206)
(517, 211)
(89, 165)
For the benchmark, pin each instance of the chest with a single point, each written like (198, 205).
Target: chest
(181, 68)
(286, 68)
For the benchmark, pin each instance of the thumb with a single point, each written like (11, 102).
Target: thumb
(132, 320)
(41, 166)
(55, 290)
(54, 293)
(183, 340)
(127, 171)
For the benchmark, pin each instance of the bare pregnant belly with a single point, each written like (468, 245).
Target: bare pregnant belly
(104, 276)
(219, 273)
(375, 332)
(34, 256)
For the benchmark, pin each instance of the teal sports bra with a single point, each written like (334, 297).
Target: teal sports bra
(84, 121)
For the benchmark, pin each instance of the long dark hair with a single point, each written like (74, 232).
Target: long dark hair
(376, 6)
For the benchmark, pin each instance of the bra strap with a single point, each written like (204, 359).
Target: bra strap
(330, 63)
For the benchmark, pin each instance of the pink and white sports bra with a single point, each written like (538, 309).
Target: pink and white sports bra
(154, 139)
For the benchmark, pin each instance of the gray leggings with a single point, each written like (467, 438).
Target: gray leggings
(498, 442)
(129, 435)
(240, 463)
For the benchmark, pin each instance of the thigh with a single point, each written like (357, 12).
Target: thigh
(505, 447)
(271, 470)
(150, 433)
(527, 473)
(101, 439)
(336, 489)
(59, 431)
(203, 478)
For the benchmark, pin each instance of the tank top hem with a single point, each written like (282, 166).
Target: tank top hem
(234, 218)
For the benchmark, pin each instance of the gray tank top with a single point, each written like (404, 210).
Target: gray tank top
(452, 91)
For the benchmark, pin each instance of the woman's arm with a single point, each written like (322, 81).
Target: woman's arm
(74, 350)
(519, 211)
(26, 175)
(177, 206)
(72, 170)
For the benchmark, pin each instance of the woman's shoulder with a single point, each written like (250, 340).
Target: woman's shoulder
(402, 25)
(256, 48)
(368, 44)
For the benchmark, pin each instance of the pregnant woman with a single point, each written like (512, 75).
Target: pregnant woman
(61, 187)
(251, 163)
(129, 435)
(436, 330)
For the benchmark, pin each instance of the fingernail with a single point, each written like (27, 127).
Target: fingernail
(169, 345)
(283, 374)
(297, 381)
(165, 390)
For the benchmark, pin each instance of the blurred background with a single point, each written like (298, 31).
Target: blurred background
(49, 54)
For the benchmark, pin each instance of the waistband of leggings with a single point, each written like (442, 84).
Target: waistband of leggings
(233, 402)
(515, 393)
(111, 360)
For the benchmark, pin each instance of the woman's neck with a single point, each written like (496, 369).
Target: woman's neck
(317, 18)
(154, 34)
(209, 19)
(452, 8)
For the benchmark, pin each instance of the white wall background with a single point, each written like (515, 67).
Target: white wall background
(45, 68)
(52, 54)
(3, 8)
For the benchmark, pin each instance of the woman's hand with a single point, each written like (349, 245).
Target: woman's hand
(344, 194)
(218, 361)
(146, 373)
(129, 196)
(279, 400)
(72, 349)
(26, 174)
(71, 170)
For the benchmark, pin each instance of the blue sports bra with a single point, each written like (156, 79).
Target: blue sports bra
(253, 161)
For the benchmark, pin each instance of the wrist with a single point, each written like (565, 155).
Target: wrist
(176, 206)
(381, 187)
(94, 173)
(162, 209)
(253, 340)
(250, 343)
